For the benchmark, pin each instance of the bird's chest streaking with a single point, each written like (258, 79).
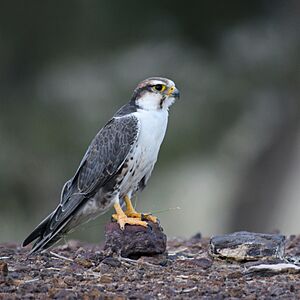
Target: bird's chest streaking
(141, 160)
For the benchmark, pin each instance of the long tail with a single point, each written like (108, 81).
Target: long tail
(37, 233)
(45, 239)
(56, 225)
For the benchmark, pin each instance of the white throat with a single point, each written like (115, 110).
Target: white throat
(153, 125)
(154, 102)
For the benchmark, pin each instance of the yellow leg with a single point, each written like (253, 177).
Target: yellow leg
(122, 219)
(132, 213)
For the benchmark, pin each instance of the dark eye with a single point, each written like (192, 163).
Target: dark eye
(158, 87)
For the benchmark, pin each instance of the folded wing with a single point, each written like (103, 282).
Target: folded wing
(104, 157)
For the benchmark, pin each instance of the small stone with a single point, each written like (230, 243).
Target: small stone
(234, 275)
(105, 279)
(59, 283)
(242, 246)
(94, 294)
(292, 288)
(64, 294)
(275, 268)
(84, 262)
(69, 281)
(236, 292)
(135, 241)
(96, 258)
(102, 268)
(80, 251)
(204, 263)
(3, 268)
(159, 259)
(111, 261)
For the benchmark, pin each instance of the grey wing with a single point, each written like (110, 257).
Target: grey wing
(106, 154)
(104, 157)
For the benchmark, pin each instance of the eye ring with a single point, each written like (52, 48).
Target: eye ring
(159, 87)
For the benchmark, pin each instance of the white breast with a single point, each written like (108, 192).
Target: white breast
(153, 125)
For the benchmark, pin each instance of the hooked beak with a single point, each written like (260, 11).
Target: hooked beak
(173, 92)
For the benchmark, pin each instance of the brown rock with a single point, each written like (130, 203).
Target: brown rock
(159, 259)
(112, 262)
(3, 268)
(135, 241)
(105, 279)
(84, 262)
(203, 263)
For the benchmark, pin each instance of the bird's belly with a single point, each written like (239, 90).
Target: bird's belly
(141, 166)
(95, 206)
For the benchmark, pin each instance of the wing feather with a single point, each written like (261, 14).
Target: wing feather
(106, 154)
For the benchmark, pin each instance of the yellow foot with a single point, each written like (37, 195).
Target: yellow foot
(132, 213)
(141, 216)
(122, 219)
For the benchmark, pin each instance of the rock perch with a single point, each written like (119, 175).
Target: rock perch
(135, 241)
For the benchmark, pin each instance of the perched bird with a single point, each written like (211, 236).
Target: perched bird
(117, 164)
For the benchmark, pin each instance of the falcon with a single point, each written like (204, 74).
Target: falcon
(117, 164)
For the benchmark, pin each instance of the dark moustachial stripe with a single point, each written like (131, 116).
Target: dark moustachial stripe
(138, 93)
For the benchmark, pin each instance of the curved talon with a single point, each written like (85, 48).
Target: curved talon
(149, 217)
(131, 216)
(132, 213)
(122, 219)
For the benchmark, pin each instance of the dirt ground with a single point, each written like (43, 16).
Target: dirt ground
(81, 271)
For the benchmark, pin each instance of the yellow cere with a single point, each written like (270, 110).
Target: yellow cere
(171, 90)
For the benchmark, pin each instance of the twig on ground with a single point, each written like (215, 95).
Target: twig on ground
(60, 256)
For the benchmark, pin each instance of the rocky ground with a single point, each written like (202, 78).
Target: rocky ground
(187, 270)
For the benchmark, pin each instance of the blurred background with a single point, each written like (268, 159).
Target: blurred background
(231, 156)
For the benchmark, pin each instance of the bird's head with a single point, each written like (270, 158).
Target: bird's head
(155, 93)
